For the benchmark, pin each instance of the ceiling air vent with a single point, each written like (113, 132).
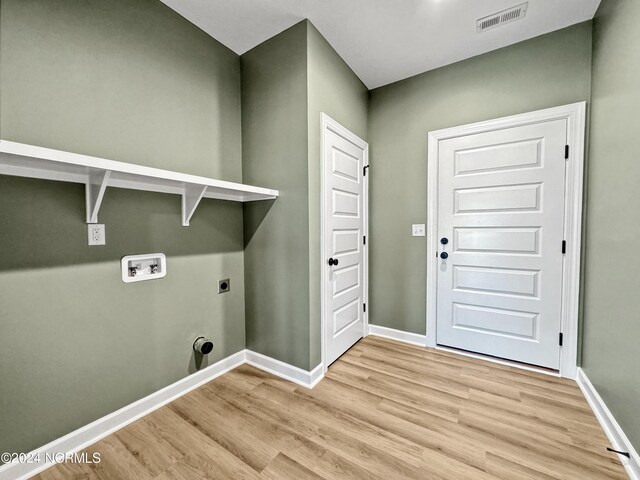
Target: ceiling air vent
(500, 18)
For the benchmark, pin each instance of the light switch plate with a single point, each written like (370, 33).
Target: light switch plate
(96, 234)
(417, 230)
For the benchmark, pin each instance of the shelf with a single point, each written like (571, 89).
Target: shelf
(97, 174)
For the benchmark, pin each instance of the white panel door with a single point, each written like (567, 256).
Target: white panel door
(344, 250)
(501, 213)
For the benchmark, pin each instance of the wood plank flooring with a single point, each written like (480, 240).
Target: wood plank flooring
(385, 410)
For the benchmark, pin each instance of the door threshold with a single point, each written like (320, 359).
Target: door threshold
(501, 361)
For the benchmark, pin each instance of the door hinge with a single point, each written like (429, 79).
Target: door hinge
(364, 170)
(364, 307)
(564, 247)
(560, 338)
(364, 239)
(566, 152)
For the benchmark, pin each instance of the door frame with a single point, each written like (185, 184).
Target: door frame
(329, 124)
(575, 115)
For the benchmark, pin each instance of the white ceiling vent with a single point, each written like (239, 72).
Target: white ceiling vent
(500, 18)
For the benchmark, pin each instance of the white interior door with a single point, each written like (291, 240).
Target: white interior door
(344, 230)
(501, 211)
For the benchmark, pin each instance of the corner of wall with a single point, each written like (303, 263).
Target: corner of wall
(275, 149)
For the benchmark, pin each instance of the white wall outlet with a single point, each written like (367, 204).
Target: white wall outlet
(96, 234)
(417, 230)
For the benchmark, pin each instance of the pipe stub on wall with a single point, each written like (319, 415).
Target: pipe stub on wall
(202, 345)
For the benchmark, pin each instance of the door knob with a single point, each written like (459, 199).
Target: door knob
(444, 255)
(444, 240)
(333, 261)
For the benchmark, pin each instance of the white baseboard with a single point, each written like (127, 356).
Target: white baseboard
(616, 435)
(95, 431)
(392, 333)
(284, 370)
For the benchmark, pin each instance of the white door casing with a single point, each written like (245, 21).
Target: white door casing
(503, 194)
(344, 211)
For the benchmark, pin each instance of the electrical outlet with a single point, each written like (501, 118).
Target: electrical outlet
(96, 234)
(224, 285)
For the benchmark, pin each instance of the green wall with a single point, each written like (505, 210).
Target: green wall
(131, 81)
(274, 143)
(287, 82)
(334, 89)
(611, 321)
(547, 71)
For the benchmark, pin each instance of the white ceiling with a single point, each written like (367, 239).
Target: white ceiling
(383, 41)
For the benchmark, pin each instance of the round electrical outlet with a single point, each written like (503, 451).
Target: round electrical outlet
(224, 285)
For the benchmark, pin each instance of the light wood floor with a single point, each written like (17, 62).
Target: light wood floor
(384, 411)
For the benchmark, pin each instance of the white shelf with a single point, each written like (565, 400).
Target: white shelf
(97, 174)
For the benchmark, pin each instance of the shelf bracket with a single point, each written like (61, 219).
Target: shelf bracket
(94, 191)
(190, 200)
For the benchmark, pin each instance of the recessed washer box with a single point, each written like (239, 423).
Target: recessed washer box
(136, 268)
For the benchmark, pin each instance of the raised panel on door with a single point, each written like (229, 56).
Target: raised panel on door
(495, 321)
(508, 240)
(498, 198)
(346, 279)
(500, 202)
(498, 158)
(346, 316)
(345, 203)
(345, 164)
(497, 281)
